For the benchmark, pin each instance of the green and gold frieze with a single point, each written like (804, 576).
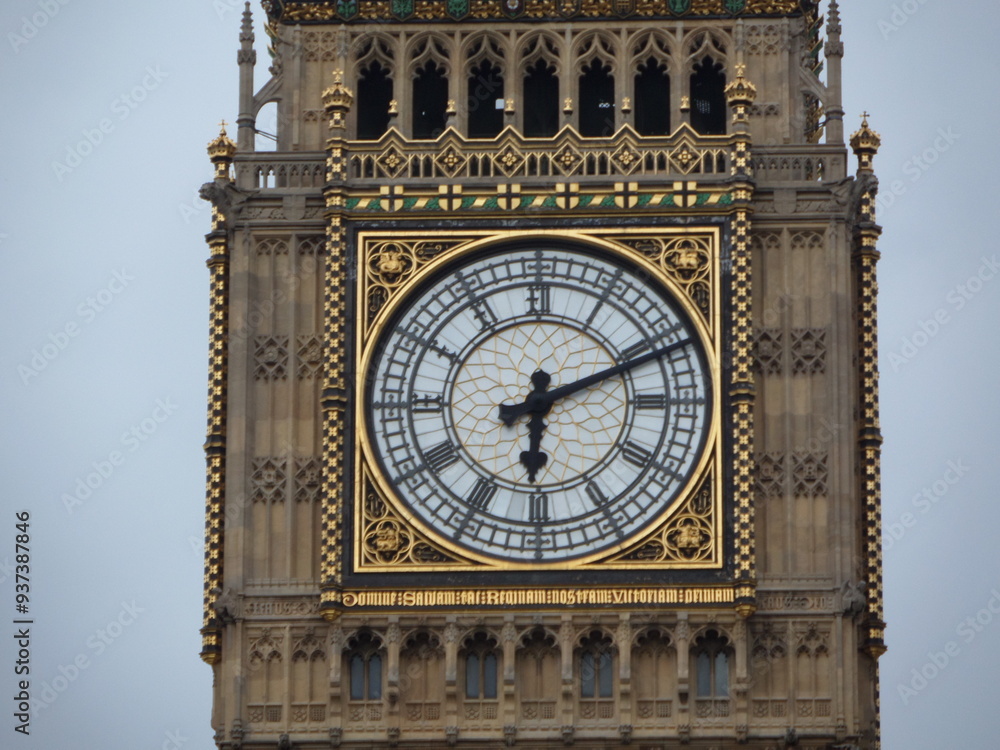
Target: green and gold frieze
(292, 12)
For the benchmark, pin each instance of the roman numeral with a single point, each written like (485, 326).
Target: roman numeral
(636, 454)
(481, 494)
(596, 494)
(427, 404)
(637, 348)
(538, 508)
(484, 314)
(440, 457)
(651, 401)
(539, 299)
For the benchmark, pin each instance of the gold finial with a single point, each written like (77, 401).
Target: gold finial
(393, 107)
(740, 91)
(568, 105)
(508, 107)
(865, 142)
(338, 96)
(221, 148)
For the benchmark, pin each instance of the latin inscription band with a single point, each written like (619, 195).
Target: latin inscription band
(530, 597)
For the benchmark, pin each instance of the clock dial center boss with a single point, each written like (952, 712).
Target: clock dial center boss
(538, 403)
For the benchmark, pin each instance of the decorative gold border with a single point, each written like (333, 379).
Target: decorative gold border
(523, 597)
(587, 10)
(454, 245)
(869, 433)
(220, 151)
(740, 94)
(333, 400)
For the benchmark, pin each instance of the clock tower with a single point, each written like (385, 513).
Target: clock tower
(543, 386)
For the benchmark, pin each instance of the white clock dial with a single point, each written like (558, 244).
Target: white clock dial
(539, 404)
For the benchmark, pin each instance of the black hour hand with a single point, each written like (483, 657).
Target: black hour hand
(533, 459)
(537, 404)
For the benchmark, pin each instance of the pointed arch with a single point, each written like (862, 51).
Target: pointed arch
(482, 658)
(429, 60)
(711, 664)
(364, 657)
(539, 56)
(709, 111)
(651, 62)
(595, 65)
(375, 68)
(485, 93)
(654, 674)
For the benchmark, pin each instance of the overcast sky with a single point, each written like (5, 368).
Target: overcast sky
(108, 106)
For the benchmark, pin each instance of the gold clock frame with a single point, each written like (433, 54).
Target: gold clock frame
(389, 538)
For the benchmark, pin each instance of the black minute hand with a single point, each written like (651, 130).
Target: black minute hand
(540, 403)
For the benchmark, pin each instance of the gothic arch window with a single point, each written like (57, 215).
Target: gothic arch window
(540, 86)
(429, 102)
(597, 100)
(813, 680)
(595, 56)
(364, 664)
(654, 675)
(266, 668)
(769, 667)
(712, 656)
(375, 89)
(309, 686)
(597, 676)
(374, 97)
(538, 676)
(421, 682)
(652, 97)
(481, 667)
(485, 91)
(708, 98)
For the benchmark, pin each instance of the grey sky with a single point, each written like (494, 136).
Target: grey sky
(103, 292)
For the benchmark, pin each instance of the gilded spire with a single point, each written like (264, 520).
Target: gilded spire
(740, 91)
(865, 143)
(221, 151)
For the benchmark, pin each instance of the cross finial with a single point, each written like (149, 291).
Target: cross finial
(864, 117)
(222, 127)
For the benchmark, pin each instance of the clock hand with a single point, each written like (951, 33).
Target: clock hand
(533, 459)
(540, 402)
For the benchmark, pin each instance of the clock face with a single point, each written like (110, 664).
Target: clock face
(539, 404)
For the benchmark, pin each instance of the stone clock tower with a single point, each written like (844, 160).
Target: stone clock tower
(543, 401)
